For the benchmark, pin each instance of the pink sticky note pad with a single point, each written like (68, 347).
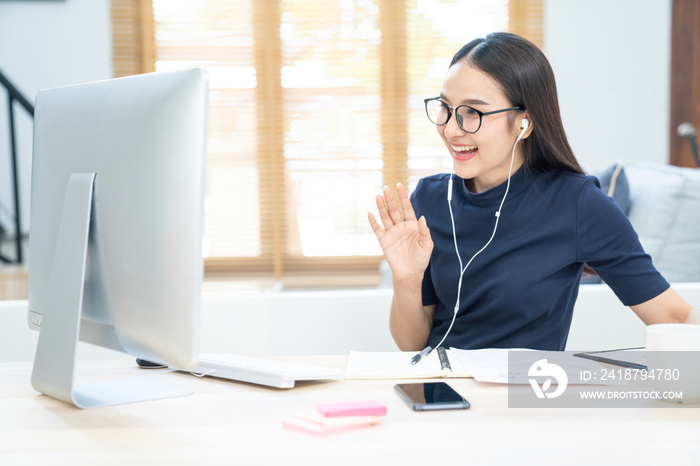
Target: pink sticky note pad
(352, 408)
(320, 428)
(313, 422)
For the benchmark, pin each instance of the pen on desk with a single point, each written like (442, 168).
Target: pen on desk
(444, 360)
(615, 362)
(419, 356)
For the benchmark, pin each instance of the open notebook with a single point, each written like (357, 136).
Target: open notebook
(397, 365)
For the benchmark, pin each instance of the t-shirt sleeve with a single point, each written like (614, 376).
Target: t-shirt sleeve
(606, 241)
(427, 289)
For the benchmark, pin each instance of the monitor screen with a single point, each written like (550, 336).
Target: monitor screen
(116, 221)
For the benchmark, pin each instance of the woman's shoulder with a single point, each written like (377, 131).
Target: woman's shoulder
(434, 180)
(565, 179)
(430, 193)
(433, 183)
(585, 191)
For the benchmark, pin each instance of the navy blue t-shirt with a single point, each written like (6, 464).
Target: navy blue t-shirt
(520, 291)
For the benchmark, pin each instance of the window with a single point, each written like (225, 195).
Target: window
(314, 106)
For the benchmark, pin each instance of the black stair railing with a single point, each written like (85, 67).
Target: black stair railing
(15, 96)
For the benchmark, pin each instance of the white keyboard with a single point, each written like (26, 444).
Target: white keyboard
(261, 371)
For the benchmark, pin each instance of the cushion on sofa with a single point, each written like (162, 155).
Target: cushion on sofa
(665, 212)
(613, 182)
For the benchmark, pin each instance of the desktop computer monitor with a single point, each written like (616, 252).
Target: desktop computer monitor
(116, 223)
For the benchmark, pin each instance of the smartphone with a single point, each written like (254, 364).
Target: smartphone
(430, 396)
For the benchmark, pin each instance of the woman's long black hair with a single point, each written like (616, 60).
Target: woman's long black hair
(527, 79)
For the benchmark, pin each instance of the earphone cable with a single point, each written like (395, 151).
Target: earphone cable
(454, 237)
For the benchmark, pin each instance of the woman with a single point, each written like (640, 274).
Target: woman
(499, 264)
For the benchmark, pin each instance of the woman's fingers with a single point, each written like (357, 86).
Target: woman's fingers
(408, 212)
(384, 213)
(393, 206)
(389, 212)
(378, 231)
(424, 233)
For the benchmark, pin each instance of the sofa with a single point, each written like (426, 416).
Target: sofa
(663, 204)
(665, 212)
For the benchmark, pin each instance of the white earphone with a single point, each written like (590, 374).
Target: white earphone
(525, 124)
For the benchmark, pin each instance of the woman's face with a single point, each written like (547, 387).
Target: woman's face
(483, 156)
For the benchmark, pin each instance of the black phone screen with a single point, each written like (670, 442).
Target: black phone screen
(430, 396)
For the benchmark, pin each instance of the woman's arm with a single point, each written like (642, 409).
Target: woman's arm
(668, 307)
(409, 321)
(407, 246)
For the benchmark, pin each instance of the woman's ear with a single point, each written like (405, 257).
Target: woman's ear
(525, 126)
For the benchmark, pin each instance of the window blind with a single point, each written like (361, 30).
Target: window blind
(314, 106)
(132, 37)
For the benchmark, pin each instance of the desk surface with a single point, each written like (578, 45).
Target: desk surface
(239, 423)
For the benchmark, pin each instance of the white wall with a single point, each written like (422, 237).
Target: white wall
(46, 44)
(612, 60)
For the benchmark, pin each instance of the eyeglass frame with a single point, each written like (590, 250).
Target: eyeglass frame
(452, 109)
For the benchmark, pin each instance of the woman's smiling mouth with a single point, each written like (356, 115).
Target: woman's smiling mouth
(463, 153)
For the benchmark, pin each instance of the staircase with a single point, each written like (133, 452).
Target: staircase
(14, 96)
(13, 271)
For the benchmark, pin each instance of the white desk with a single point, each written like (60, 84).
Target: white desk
(235, 423)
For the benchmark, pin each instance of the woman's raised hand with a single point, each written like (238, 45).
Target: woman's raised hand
(406, 242)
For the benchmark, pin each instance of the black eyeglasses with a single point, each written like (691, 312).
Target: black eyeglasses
(468, 118)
